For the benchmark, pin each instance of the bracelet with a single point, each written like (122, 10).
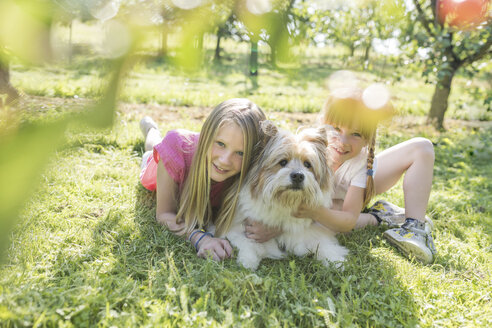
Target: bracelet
(194, 232)
(199, 239)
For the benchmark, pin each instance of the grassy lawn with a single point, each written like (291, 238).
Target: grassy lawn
(88, 252)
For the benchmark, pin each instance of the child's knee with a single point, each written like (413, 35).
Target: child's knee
(423, 148)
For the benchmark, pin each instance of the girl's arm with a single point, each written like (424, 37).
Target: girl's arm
(343, 220)
(339, 220)
(166, 210)
(167, 204)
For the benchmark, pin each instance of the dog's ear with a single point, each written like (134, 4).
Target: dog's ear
(322, 135)
(318, 135)
(269, 128)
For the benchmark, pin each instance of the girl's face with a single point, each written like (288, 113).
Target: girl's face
(226, 153)
(345, 144)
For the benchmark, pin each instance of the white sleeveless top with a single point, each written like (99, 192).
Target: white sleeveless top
(352, 173)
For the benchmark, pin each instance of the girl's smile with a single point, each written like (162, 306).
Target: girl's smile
(226, 153)
(339, 150)
(345, 144)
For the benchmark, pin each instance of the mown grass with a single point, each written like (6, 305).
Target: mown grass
(88, 252)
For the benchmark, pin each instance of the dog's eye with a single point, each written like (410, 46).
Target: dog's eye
(283, 162)
(307, 165)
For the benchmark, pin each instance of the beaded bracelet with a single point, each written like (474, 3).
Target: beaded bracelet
(194, 232)
(201, 237)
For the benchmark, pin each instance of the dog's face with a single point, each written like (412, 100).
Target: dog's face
(292, 169)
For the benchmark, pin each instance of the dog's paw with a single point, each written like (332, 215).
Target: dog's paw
(335, 255)
(249, 261)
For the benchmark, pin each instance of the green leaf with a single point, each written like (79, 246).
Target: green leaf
(23, 157)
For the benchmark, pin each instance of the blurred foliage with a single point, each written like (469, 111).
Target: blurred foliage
(25, 149)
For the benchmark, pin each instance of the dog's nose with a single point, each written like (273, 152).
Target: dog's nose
(297, 177)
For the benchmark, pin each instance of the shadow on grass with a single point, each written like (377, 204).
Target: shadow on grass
(461, 200)
(292, 292)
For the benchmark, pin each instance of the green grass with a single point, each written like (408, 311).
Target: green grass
(87, 250)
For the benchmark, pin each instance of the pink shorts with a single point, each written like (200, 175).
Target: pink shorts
(148, 175)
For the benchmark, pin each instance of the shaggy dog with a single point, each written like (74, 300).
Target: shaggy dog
(292, 169)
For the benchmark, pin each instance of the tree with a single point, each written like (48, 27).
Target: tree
(278, 34)
(65, 12)
(225, 22)
(222, 32)
(449, 50)
(7, 92)
(356, 24)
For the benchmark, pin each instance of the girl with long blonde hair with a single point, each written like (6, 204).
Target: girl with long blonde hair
(197, 177)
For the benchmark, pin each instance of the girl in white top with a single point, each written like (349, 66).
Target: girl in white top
(356, 180)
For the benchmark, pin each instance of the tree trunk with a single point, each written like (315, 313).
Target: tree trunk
(273, 55)
(217, 46)
(253, 64)
(70, 42)
(366, 53)
(439, 103)
(163, 48)
(352, 49)
(7, 92)
(199, 42)
(253, 59)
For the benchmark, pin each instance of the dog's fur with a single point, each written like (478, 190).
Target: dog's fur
(290, 171)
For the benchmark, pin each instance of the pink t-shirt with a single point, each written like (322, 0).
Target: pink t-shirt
(176, 152)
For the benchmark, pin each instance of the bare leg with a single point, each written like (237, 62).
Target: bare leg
(150, 131)
(415, 159)
(153, 138)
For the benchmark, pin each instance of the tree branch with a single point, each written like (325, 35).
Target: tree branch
(484, 50)
(481, 53)
(423, 19)
(456, 59)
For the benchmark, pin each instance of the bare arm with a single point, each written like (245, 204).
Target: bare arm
(167, 204)
(166, 210)
(337, 220)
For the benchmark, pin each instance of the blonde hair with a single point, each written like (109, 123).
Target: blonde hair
(194, 204)
(346, 108)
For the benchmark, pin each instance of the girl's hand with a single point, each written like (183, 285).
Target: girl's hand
(174, 227)
(217, 248)
(259, 232)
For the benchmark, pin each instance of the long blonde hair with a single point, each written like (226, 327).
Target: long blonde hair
(346, 108)
(194, 204)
